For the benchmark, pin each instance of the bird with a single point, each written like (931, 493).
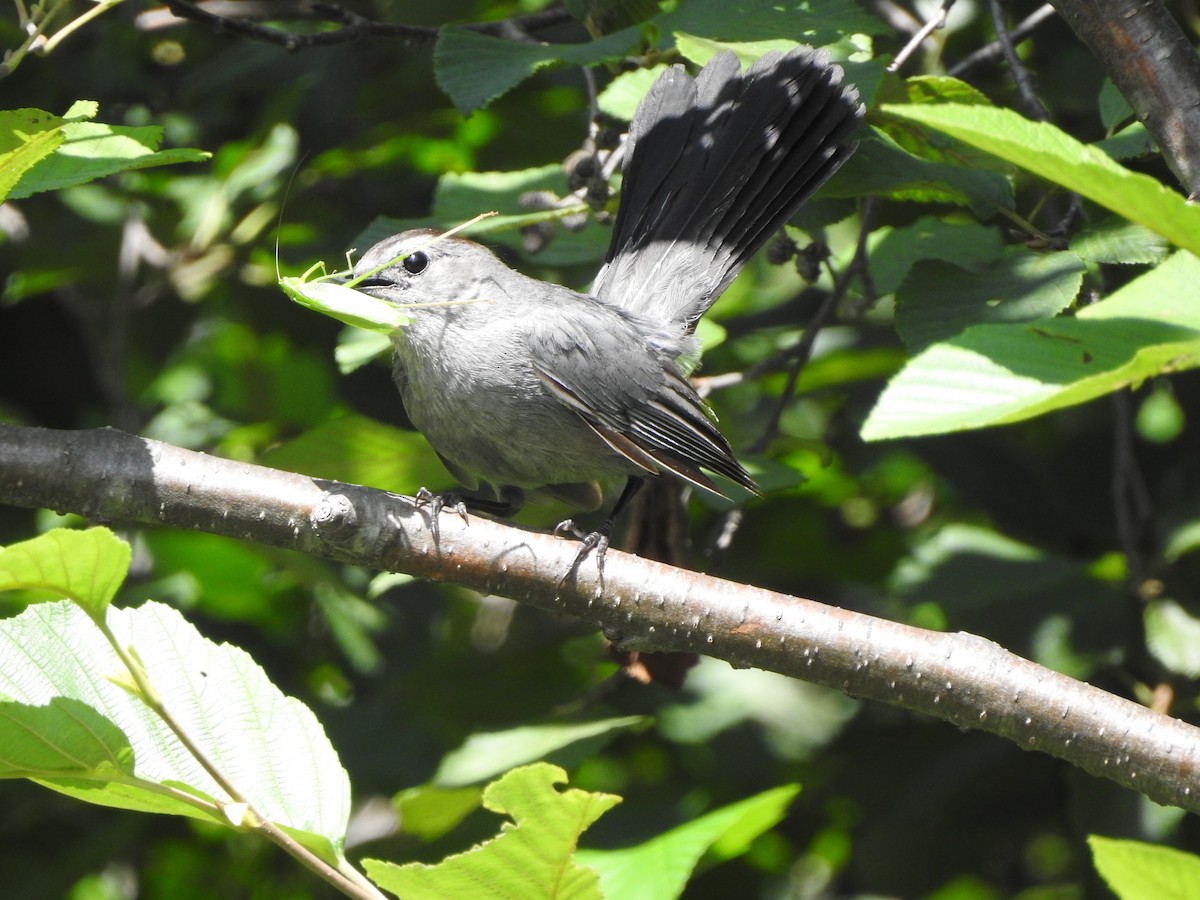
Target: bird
(529, 389)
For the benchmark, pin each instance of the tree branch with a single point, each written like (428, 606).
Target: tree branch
(971, 682)
(1145, 53)
(235, 17)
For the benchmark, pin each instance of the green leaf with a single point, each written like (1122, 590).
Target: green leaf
(943, 89)
(474, 69)
(602, 16)
(27, 136)
(1173, 637)
(532, 855)
(1138, 871)
(994, 374)
(659, 868)
(894, 251)
(359, 450)
(1116, 241)
(429, 811)
(461, 197)
(939, 299)
(486, 754)
(803, 21)
(92, 150)
(355, 348)
(1056, 156)
(1185, 538)
(1114, 108)
(62, 679)
(622, 95)
(86, 566)
(884, 168)
(1050, 608)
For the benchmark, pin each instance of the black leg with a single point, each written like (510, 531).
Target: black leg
(598, 540)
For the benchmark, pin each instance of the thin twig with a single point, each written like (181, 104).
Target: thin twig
(801, 353)
(995, 50)
(1029, 98)
(223, 16)
(938, 20)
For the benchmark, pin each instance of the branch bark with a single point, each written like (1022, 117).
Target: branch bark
(224, 16)
(1145, 53)
(111, 476)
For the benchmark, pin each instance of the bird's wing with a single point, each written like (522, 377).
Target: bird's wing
(633, 398)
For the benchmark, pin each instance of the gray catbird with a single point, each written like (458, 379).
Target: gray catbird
(530, 386)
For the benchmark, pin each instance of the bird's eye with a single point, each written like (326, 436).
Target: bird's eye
(415, 263)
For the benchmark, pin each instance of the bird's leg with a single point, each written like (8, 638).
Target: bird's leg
(598, 540)
(508, 504)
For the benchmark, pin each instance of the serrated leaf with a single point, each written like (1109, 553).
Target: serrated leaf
(27, 137)
(818, 24)
(894, 251)
(86, 566)
(866, 76)
(602, 16)
(60, 677)
(994, 374)
(884, 168)
(474, 69)
(532, 855)
(486, 754)
(940, 299)
(1116, 241)
(92, 150)
(659, 868)
(943, 89)
(1138, 871)
(1053, 154)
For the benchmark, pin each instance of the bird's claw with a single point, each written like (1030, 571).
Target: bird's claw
(438, 502)
(589, 541)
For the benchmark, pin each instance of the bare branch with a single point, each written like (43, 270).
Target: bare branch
(1145, 53)
(642, 605)
(995, 50)
(241, 18)
(1029, 98)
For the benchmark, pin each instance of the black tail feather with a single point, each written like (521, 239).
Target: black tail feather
(715, 166)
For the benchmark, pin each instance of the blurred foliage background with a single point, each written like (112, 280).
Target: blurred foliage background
(148, 302)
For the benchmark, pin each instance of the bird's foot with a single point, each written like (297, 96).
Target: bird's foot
(438, 502)
(589, 541)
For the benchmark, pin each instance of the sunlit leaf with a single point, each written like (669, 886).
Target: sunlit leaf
(82, 734)
(87, 566)
(531, 857)
(1140, 871)
(993, 374)
(659, 868)
(1056, 156)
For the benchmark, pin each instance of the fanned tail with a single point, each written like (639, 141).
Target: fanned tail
(715, 166)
